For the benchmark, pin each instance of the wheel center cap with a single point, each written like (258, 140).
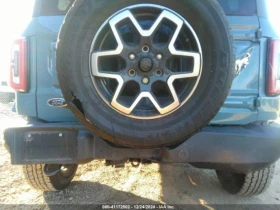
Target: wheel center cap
(145, 64)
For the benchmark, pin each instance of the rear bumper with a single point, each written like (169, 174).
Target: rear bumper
(231, 148)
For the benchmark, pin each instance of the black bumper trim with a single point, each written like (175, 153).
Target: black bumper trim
(232, 148)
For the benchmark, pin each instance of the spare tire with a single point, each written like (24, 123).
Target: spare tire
(145, 74)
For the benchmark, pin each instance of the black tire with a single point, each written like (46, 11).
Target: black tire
(36, 177)
(78, 30)
(253, 183)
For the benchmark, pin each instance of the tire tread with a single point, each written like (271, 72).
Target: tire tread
(257, 182)
(35, 176)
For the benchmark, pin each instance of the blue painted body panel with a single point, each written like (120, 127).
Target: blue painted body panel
(246, 103)
(45, 29)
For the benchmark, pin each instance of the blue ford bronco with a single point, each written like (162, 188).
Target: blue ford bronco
(181, 81)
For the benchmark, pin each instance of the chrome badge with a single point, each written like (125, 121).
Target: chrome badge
(57, 102)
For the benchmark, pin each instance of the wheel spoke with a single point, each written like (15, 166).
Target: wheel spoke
(196, 57)
(142, 95)
(96, 55)
(174, 77)
(145, 87)
(97, 73)
(146, 33)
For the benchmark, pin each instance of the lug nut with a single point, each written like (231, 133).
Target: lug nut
(158, 72)
(159, 56)
(132, 56)
(131, 72)
(145, 48)
(145, 80)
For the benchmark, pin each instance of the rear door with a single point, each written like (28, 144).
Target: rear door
(239, 107)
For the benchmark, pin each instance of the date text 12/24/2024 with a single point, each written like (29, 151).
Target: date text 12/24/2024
(150, 206)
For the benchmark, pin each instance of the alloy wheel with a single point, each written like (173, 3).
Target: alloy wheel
(145, 61)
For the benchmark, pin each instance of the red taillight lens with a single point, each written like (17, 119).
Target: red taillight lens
(273, 84)
(18, 69)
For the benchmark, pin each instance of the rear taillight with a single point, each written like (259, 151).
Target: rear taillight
(18, 69)
(273, 80)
